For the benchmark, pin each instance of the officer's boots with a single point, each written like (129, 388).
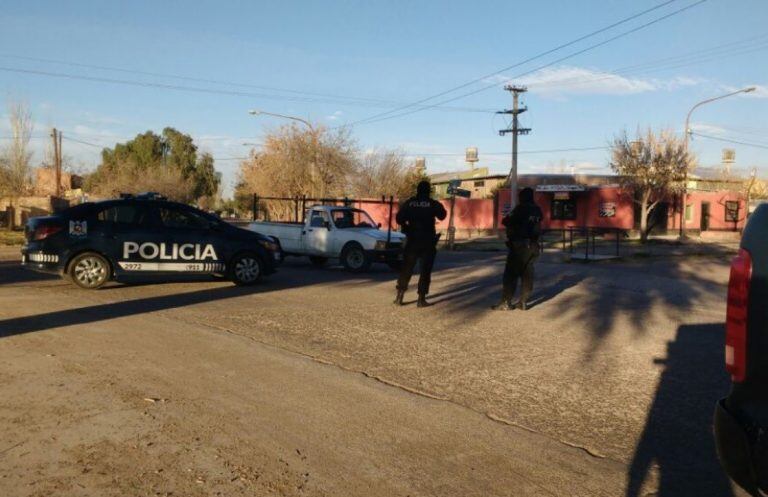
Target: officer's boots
(422, 302)
(399, 297)
(505, 304)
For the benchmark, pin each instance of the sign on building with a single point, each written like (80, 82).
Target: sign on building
(607, 209)
(560, 188)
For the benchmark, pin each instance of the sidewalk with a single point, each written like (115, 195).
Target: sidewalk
(631, 248)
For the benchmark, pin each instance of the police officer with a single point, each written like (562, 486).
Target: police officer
(523, 229)
(417, 217)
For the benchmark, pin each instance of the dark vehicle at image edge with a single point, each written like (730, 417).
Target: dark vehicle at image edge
(142, 236)
(741, 419)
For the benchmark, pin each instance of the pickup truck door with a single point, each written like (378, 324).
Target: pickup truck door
(316, 237)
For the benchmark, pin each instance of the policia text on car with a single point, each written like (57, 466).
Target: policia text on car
(417, 217)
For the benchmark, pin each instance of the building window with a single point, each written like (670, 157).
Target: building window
(564, 210)
(479, 184)
(689, 212)
(731, 211)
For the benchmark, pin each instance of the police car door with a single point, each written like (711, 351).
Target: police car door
(191, 245)
(121, 227)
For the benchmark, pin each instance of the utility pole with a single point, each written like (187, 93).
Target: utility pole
(56, 135)
(515, 130)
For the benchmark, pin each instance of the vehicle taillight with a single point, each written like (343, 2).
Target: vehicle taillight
(736, 316)
(45, 231)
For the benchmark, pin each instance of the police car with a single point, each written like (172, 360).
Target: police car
(92, 243)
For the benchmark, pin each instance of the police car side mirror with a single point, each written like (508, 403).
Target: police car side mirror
(327, 225)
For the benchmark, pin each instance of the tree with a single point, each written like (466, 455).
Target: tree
(296, 161)
(653, 167)
(15, 158)
(166, 163)
(385, 172)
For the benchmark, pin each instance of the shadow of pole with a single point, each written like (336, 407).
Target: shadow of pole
(678, 432)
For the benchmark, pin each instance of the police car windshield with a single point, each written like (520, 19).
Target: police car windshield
(351, 218)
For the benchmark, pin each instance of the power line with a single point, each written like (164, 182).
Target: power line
(196, 89)
(530, 59)
(84, 142)
(561, 59)
(748, 144)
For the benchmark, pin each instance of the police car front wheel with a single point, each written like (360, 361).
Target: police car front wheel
(245, 269)
(89, 270)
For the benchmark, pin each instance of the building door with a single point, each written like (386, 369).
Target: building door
(704, 216)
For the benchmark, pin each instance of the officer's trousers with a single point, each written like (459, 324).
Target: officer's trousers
(520, 261)
(415, 249)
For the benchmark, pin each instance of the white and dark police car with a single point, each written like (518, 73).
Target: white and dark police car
(145, 235)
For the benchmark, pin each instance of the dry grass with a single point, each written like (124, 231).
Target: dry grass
(10, 238)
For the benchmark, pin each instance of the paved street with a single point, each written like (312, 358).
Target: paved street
(312, 383)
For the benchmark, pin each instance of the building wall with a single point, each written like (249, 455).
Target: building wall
(27, 207)
(717, 220)
(588, 204)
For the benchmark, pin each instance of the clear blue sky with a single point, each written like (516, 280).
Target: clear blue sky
(396, 51)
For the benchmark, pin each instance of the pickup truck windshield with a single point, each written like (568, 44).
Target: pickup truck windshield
(351, 218)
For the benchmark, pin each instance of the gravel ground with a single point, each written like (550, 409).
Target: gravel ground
(620, 360)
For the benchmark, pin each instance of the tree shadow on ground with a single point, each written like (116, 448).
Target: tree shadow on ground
(677, 437)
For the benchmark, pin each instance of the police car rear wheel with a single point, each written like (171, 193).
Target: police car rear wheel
(246, 269)
(89, 271)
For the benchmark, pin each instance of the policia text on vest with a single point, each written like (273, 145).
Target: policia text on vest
(417, 216)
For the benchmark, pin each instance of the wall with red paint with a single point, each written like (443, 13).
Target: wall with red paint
(716, 211)
(484, 214)
(588, 204)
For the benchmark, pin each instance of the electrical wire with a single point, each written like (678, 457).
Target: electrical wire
(517, 64)
(727, 140)
(561, 59)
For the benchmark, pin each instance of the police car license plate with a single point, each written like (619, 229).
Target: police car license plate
(167, 266)
(277, 256)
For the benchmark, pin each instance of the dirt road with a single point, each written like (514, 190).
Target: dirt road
(311, 384)
(143, 406)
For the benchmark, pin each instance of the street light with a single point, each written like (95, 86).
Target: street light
(688, 133)
(257, 112)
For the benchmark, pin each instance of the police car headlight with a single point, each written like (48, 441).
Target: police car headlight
(269, 245)
(381, 245)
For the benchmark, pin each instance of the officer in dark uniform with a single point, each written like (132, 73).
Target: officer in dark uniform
(417, 218)
(523, 229)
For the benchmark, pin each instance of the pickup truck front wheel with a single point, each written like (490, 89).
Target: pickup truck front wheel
(354, 258)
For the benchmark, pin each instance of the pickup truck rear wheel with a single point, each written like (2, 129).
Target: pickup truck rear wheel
(318, 261)
(245, 269)
(354, 258)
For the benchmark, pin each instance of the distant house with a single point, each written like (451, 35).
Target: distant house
(478, 181)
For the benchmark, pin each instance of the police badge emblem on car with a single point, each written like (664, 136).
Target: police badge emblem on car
(78, 228)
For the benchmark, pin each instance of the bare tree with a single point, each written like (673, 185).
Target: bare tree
(16, 157)
(653, 167)
(385, 172)
(296, 161)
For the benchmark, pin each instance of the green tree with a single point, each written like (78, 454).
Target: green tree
(167, 163)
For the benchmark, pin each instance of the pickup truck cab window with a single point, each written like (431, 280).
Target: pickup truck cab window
(352, 218)
(318, 219)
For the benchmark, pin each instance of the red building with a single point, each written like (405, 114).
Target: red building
(595, 202)
(598, 201)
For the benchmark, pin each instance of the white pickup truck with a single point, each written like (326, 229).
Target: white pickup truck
(332, 232)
